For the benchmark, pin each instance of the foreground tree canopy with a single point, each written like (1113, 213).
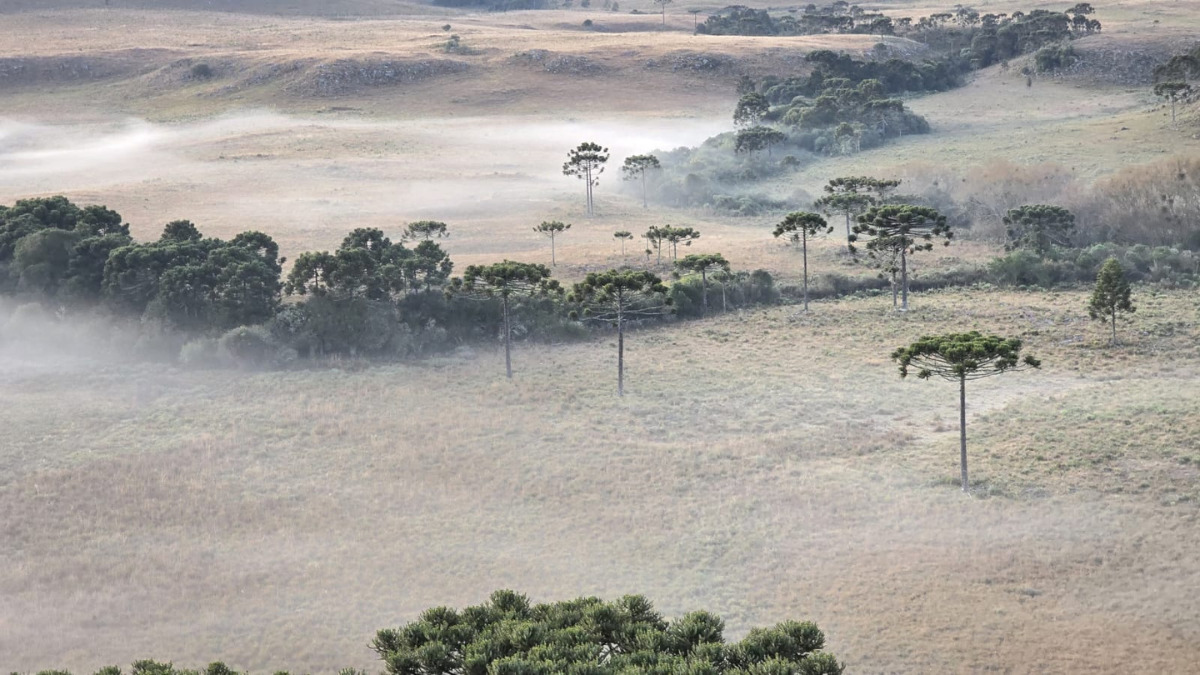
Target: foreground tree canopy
(587, 636)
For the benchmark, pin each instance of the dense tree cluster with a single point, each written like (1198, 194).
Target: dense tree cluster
(510, 635)
(963, 35)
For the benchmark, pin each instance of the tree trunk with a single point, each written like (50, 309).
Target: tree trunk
(962, 429)
(1172, 110)
(620, 349)
(903, 280)
(553, 261)
(724, 307)
(895, 290)
(804, 246)
(644, 206)
(704, 288)
(1114, 327)
(848, 233)
(507, 338)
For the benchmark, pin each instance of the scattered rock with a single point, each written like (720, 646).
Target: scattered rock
(349, 76)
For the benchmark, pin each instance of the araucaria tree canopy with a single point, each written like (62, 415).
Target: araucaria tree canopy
(901, 230)
(588, 636)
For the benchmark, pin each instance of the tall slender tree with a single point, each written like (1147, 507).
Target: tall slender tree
(849, 196)
(507, 281)
(798, 227)
(586, 163)
(1112, 295)
(623, 236)
(961, 357)
(635, 168)
(618, 296)
(676, 236)
(703, 264)
(663, 4)
(1173, 92)
(901, 229)
(552, 228)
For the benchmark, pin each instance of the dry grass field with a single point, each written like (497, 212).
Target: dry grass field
(766, 465)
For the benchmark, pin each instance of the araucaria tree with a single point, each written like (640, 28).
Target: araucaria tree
(1112, 295)
(425, 230)
(753, 139)
(635, 168)
(511, 636)
(663, 4)
(901, 229)
(750, 110)
(622, 236)
(1038, 227)
(618, 296)
(509, 282)
(798, 227)
(962, 357)
(850, 196)
(703, 264)
(552, 228)
(676, 236)
(586, 163)
(1173, 92)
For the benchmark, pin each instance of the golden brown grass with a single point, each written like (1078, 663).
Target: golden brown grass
(766, 465)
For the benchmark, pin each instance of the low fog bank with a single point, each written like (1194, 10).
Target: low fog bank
(308, 180)
(37, 341)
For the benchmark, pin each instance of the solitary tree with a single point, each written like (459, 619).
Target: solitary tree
(901, 229)
(586, 163)
(663, 4)
(623, 236)
(425, 230)
(750, 110)
(1173, 92)
(1111, 296)
(509, 635)
(703, 263)
(635, 168)
(1038, 227)
(798, 227)
(507, 281)
(552, 228)
(617, 296)
(962, 357)
(753, 139)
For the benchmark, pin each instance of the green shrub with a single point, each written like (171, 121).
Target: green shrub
(252, 347)
(200, 353)
(202, 71)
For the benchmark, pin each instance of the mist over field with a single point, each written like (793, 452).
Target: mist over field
(264, 391)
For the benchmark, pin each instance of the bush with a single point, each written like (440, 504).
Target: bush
(202, 71)
(587, 23)
(1055, 57)
(200, 353)
(252, 347)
